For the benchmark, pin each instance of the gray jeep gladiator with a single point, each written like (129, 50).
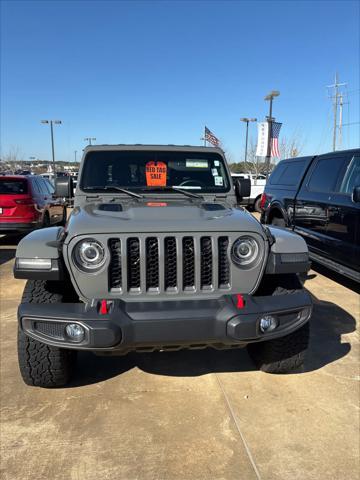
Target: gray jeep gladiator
(157, 255)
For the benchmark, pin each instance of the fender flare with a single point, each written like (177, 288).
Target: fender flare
(41, 244)
(288, 253)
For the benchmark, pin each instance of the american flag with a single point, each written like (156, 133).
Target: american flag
(210, 137)
(274, 139)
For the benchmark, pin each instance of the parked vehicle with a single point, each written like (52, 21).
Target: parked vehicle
(49, 176)
(257, 188)
(155, 256)
(27, 203)
(319, 198)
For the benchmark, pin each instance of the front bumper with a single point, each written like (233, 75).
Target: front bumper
(147, 326)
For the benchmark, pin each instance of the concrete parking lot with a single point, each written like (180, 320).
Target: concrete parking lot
(188, 415)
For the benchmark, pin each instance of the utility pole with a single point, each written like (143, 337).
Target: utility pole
(247, 120)
(75, 152)
(269, 97)
(51, 122)
(336, 97)
(89, 139)
(341, 124)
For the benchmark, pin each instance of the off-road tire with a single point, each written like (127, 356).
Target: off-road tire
(285, 354)
(43, 365)
(62, 223)
(46, 220)
(257, 205)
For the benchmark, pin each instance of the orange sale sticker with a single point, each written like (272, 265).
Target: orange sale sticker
(156, 174)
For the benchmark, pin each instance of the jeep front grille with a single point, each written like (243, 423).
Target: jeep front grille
(169, 264)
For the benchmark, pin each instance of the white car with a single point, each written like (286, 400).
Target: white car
(257, 188)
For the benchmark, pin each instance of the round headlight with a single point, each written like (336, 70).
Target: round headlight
(245, 251)
(89, 255)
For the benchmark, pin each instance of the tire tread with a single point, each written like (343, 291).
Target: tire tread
(40, 364)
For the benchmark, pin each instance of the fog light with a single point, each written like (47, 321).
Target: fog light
(75, 332)
(268, 323)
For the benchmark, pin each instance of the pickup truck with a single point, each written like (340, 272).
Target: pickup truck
(318, 197)
(257, 188)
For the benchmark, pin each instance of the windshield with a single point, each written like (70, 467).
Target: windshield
(154, 170)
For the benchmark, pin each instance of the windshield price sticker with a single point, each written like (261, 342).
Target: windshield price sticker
(219, 182)
(214, 172)
(197, 163)
(156, 174)
(216, 163)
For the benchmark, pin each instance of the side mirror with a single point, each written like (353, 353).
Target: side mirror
(242, 188)
(356, 195)
(64, 187)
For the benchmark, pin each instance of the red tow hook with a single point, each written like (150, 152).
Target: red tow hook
(240, 302)
(104, 307)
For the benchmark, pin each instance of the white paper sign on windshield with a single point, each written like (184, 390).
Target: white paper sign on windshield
(197, 163)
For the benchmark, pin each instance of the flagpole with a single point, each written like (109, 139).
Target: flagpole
(205, 136)
(270, 97)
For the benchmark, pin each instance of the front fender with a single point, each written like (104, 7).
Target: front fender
(38, 255)
(288, 252)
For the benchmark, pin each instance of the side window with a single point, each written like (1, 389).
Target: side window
(325, 174)
(42, 185)
(276, 174)
(352, 177)
(289, 173)
(50, 187)
(35, 185)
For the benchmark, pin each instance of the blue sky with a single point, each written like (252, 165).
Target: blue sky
(157, 72)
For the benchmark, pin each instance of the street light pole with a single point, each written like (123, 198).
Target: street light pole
(269, 97)
(89, 139)
(51, 122)
(75, 152)
(247, 120)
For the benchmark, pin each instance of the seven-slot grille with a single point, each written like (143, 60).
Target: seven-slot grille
(169, 264)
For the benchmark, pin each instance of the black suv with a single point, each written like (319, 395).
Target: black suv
(319, 198)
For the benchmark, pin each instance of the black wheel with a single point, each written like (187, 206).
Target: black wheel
(43, 365)
(257, 205)
(46, 220)
(64, 218)
(285, 354)
(278, 222)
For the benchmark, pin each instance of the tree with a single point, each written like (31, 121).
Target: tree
(13, 154)
(253, 164)
(291, 147)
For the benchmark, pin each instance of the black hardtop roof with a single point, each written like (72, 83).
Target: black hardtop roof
(138, 146)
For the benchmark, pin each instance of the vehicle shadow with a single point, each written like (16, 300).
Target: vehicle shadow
(8, 244)
(336, 277)
(328, 323)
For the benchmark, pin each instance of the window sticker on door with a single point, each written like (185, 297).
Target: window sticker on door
(156, 174)
(214, 172)
(219, 181)
(197, 163)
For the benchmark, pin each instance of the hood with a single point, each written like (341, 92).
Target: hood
(159, 216)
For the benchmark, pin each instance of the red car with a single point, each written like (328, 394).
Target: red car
(27, 203)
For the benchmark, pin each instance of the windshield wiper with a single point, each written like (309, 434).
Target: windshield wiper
(112, 187)
(174, 189)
